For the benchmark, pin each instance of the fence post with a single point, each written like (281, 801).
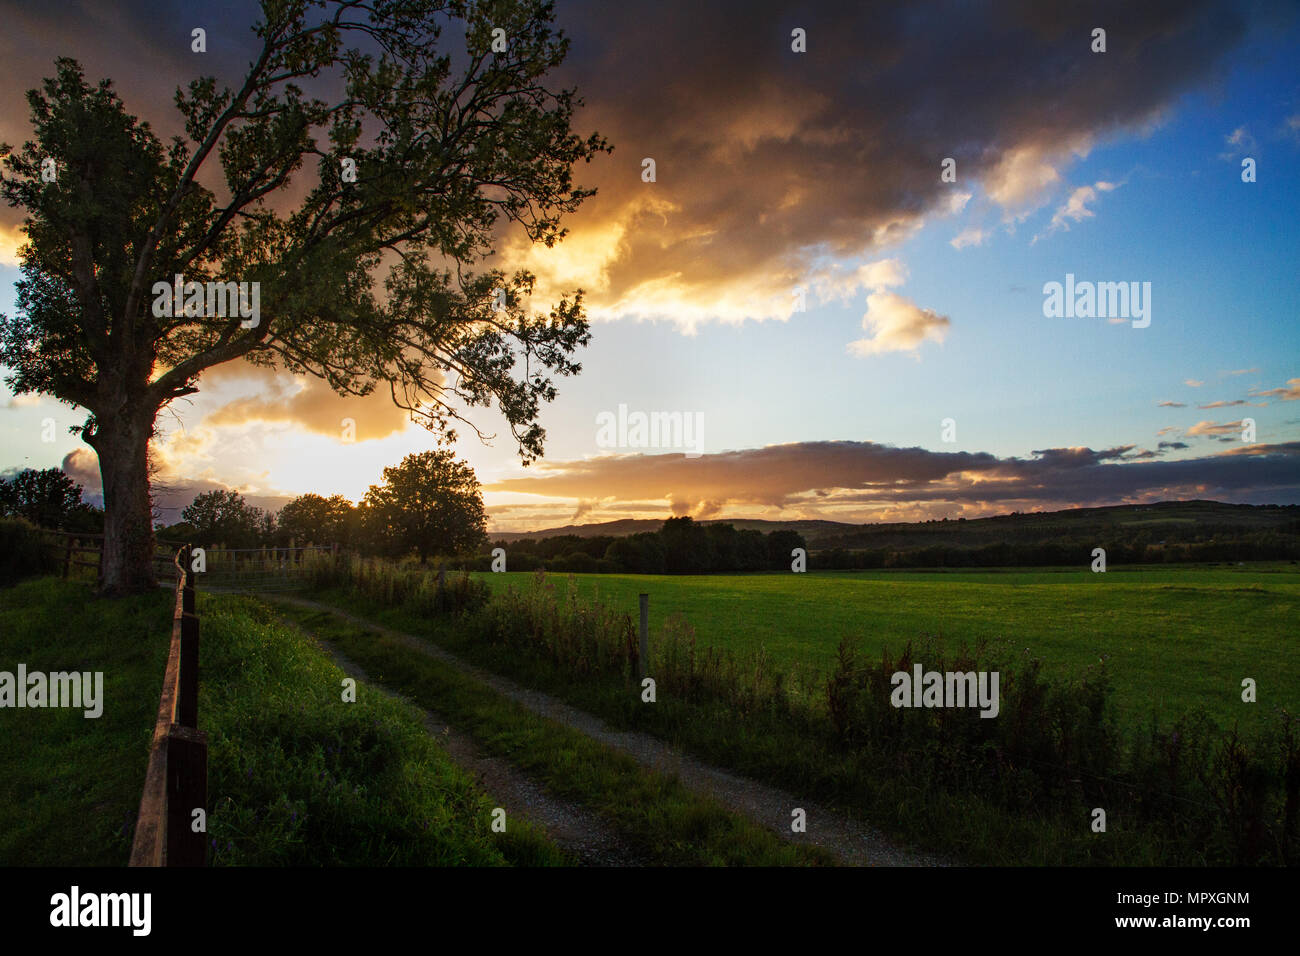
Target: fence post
(187, 590)
(67, 558)
(645, 635)
(187, 707)
(187, 791)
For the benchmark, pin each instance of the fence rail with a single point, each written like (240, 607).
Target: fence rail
(176, 781)
(227, 569)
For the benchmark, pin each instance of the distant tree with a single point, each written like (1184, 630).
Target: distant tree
(751, 551)
(687, 546)
(312, 518)
(429, 504)
(779, 546)
(641, 553)
(224, 517)
(724, 543)
(48, 498)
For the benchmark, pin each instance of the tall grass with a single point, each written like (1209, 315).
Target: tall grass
(420, 588)
(1186, 791)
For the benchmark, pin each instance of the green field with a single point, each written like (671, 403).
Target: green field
(1176, 638)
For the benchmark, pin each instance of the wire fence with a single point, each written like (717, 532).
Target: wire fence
(260, 569)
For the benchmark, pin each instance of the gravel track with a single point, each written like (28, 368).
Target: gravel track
(853, 841)
(570, 825)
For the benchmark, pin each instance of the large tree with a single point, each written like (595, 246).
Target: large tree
(428, 149)
(429, 504)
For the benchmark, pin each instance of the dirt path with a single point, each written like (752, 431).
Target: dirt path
(569, 825)
(853, 841)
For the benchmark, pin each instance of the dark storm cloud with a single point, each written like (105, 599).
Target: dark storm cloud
(845, 473)
(766, 158)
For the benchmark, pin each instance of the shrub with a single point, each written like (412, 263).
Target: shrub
(23, 551)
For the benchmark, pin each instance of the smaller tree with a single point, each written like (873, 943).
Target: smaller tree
(779, 546)
(224, 517)
(430, 504)
(48, 498)
(312, 518)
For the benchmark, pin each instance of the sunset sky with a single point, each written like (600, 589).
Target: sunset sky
(781, 173)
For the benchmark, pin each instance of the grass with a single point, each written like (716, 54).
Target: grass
(662, 820)
(1177, 639)
(1003, 823)
(70, 786)
(296, 776)
(299, 777)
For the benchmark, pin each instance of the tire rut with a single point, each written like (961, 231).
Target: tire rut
(571, 826)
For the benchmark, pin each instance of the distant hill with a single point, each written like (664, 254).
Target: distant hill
(627, 526)
(1165, 520)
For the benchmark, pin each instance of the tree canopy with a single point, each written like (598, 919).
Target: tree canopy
(429, 504)
(47, 498)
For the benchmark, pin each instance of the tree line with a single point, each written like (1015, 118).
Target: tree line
(1066, 551)
(429, 504)
(681, 545)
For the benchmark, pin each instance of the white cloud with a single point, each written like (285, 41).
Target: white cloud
(1242, 144)
(1021, 180)
(897, 324)
(833, 283)
(969, 237)
(1076, 207)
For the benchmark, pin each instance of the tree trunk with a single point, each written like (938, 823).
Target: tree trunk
(122, 443)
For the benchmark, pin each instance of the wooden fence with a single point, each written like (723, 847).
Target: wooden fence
(176, 782)
(84, 549)
(228, 569)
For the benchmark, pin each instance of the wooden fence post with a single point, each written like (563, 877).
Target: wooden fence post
(645, 635)
(187, 707)
(187, 791)
(67, 558)
(187, 589)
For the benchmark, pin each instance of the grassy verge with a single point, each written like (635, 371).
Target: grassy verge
(666, 823)
(299, 777)
(296, 776)
(69, 785)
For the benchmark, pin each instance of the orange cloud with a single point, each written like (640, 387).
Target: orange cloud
(307, 402)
